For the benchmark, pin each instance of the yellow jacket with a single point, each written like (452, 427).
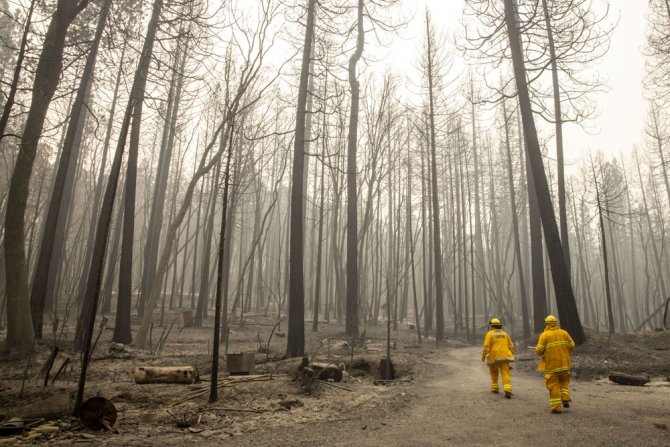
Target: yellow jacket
(555, 346)
(498, 347)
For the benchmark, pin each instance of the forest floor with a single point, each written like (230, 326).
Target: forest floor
(441, 396)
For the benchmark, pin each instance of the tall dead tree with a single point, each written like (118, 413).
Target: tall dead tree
(559, 134)
(128, 234)
(94, 272)
(214, 385)
(515, 228)
(295, 344)
(437, 235)
(163, 169)
(603, 244)
(565, 299)
(319, 241)
(352, 304)
(20, 333)
(122, 332)
(45, 270)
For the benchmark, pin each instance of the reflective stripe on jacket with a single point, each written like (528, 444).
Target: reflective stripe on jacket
(498, 347)
(555, 346)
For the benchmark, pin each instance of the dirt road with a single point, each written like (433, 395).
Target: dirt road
(449, 404)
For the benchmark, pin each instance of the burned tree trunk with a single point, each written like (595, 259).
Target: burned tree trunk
(565, 299)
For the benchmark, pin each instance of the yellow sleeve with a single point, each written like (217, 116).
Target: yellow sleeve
(487, 345)
(541, 345)
(571, 343)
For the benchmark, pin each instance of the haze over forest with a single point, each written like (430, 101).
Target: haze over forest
(291, 158)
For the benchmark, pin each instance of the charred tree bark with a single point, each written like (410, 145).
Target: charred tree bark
(203, 294)
(54, 231)
(319, 251)
(122, 332)
(158, 204)
(214, 383)
(295, 343)
(558, 116)
(437, 248)
(565, 299)
(94, 276)
(20, 333)
(515, 229)
(352, 304)
(100, 186)
(603, 242)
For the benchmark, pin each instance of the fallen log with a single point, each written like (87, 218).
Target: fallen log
(628, 379)
(166, 374)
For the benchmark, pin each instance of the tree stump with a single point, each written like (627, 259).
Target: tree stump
(386, 370)
(97, 413)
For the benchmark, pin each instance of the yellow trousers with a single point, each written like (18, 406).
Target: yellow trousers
(558, 385)
(503, 368)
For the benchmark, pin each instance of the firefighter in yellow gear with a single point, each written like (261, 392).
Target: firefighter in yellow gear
(498, 352)
(555, 346)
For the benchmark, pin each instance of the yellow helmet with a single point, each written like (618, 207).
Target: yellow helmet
(550, 319)
(495, 322)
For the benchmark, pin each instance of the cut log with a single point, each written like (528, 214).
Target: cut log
(628, 379)
(166, 374)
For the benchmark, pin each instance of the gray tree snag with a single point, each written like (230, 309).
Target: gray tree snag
(99, 187)
(203, 293)
(122, 332)
(437, 247)
(515, 228)
(214, 382)
(352, 304)
(320, 232)
(167, 142)
(478, 260)
(539, 289)
(603, 243)
(64, 184)
(93, 273)
(560, 164)
(295, 343)
(565, 299)
(20, 333)
(128, 234)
